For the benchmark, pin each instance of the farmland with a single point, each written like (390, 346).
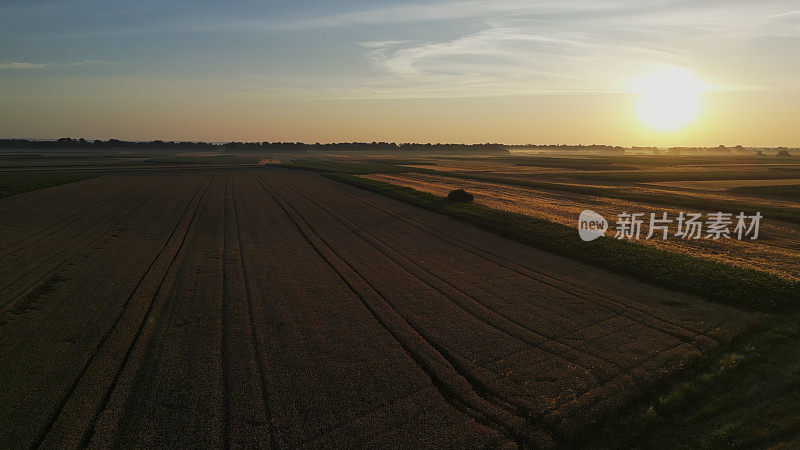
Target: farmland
(275, 307)
(400, 225)
(286, 300)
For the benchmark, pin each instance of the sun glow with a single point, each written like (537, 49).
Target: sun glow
(669, 98)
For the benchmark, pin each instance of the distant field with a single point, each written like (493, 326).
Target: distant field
(203, 159)
(622, 170)
(401, 162)
(691, 175)
(723, 185)
(368, 166)
(567, 163)
(13, 183)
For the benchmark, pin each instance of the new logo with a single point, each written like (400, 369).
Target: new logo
(591, 225)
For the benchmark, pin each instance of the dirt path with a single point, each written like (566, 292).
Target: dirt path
(277, 308)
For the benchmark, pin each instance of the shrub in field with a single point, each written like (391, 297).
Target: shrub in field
(461, 196)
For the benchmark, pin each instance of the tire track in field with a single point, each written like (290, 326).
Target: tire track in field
(503, 323)
(591, 399)
(59, 225)
(622, 374)
(86, 436)
(474, 406)
(446, 374)
(107, 396)
(630, 312)
(513, 328)
(224, 352)
(64, 242)
(10, 304)
(622, 368)
(454, 361)
(518, 330)
(254, 347)
(622, 308)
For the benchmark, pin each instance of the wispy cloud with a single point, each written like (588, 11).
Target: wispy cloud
(576, 47)
(454, 10)
(21, 66)
(29, 65)
(381, 44)
(784, 14)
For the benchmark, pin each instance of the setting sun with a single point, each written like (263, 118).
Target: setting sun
(668, 98)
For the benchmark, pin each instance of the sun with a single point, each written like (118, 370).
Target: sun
(669, 98)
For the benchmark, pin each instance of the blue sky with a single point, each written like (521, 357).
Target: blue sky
(84, 54)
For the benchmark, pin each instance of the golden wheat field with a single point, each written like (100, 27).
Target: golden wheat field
(776, 249)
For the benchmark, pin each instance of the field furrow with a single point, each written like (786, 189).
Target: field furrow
(275, 308)
(445, 371)
(68, 323)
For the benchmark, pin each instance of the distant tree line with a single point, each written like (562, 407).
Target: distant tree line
(337, 147)
(280, 147)
(69, 143)
(717, 149)
(720, 149)
(242, 147)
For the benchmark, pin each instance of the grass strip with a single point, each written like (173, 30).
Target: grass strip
(719, 282)
(13, 183)
(745, 395)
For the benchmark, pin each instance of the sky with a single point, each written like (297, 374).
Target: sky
(514, 72)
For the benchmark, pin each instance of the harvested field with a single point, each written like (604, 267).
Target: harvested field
(277, 308)
(777, 249)
(693, 173)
